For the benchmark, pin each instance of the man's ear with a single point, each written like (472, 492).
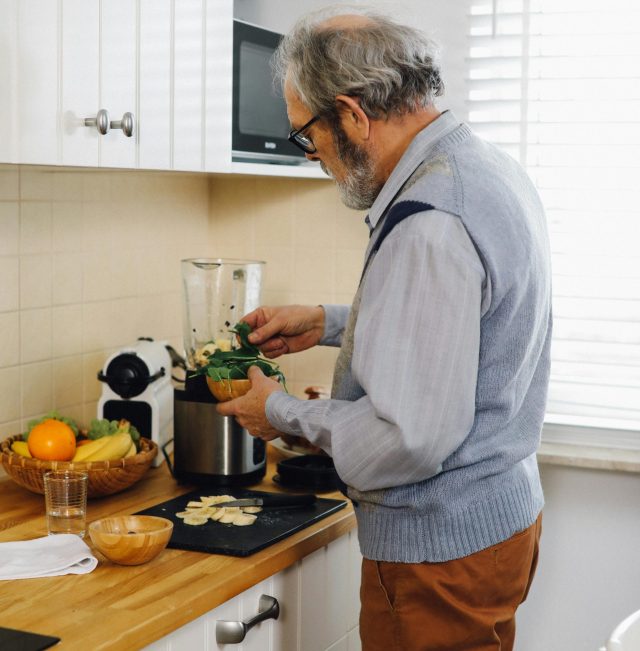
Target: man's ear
(354, 120)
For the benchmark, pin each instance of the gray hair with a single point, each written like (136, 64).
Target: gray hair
(391, 68)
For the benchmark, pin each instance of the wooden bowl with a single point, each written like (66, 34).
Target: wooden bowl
(224, 390)
(130, 539)
(105, 477)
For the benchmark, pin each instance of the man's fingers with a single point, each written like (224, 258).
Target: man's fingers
(227, 408)
(274, 347)
(266, 331)
(254, 373)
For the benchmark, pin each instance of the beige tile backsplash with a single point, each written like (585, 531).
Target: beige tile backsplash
(89, 261)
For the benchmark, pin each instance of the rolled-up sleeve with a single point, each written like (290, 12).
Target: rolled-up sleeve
(335, 319)
(416, 349)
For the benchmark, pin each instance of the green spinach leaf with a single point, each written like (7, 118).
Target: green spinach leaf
(234, 364)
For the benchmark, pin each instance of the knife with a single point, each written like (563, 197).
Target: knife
(274, 500)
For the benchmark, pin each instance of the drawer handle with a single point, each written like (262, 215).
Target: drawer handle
(126, 124)
(235, 632)
(100, 122)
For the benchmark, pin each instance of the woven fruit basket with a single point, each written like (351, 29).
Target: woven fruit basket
(105, 477)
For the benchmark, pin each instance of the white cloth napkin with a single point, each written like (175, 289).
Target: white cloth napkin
(63, 553)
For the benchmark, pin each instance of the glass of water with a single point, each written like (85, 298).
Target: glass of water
(65, 494)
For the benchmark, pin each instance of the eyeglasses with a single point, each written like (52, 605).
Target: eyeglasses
(300, 140)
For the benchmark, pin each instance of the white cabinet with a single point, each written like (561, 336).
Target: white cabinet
(96, 52)
(319, 607)
(8, 80)
(80, 87)
(37, 75)
(118, 79)
(168, 62)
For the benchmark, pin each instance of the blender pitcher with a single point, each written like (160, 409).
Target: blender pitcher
(210, 449)
(217, 293)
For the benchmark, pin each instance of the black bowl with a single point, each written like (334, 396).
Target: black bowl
(309, 471)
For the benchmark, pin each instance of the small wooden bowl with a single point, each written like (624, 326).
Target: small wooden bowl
(130, 539)
(224, 390)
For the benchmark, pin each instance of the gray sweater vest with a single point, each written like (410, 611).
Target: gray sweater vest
(489, 488)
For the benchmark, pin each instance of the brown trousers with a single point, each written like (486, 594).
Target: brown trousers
(467, 604)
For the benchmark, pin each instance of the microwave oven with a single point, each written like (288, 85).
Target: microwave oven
(260, 125)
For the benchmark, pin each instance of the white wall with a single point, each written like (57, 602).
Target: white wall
(445, 21)
(589, 570)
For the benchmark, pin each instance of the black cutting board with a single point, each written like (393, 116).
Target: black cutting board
(272, 524)
(14, 640)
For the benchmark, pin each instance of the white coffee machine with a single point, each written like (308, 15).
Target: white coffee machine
(137, 386)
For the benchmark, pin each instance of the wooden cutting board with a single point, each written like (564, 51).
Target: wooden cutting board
(272, 524)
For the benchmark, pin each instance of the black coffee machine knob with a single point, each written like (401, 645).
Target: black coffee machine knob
(128, 375)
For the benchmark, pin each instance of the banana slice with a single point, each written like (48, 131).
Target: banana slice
(195, 520)
(212, 500)
(184, 514)
(244, 519)
(217, 513)
(196, 505)
(229, 515)
(251, 509)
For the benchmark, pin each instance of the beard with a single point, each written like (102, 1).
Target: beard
(358, 189)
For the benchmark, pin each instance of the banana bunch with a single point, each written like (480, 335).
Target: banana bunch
(107, 448)
(21, 448)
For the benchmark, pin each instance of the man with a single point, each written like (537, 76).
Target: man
(440, 387)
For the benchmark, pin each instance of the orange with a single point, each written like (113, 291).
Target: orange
(52, 440)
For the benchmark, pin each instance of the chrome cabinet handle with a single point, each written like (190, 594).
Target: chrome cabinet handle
(100, 122)
(126, 124)
(235, 632)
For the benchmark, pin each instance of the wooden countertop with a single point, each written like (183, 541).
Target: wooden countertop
(124, 608)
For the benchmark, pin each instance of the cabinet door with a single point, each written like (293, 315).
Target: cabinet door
(37, 74)
(323, 596)
(118, 66)
(80, 43)
(8, 81)
(218, 86)
(155, 84)
(188, 71)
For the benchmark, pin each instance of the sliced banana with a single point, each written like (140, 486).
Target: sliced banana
(199, 512)
(195, 519)
(251, 509)
(229, 515)
(218, 513)
(244, 519)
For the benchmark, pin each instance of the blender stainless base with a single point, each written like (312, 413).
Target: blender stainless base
(210, 449)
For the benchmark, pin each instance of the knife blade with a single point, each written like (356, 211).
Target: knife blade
(274, 500)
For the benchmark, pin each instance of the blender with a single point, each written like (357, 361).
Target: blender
(210, 449)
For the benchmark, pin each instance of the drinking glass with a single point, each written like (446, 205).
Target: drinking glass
(65, 493)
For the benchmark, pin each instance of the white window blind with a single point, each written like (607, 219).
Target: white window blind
(556, 83)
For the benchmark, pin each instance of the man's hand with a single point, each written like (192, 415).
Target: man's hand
(286, 329)
(249, 409)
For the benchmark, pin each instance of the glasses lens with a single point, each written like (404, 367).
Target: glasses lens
(304, 142)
